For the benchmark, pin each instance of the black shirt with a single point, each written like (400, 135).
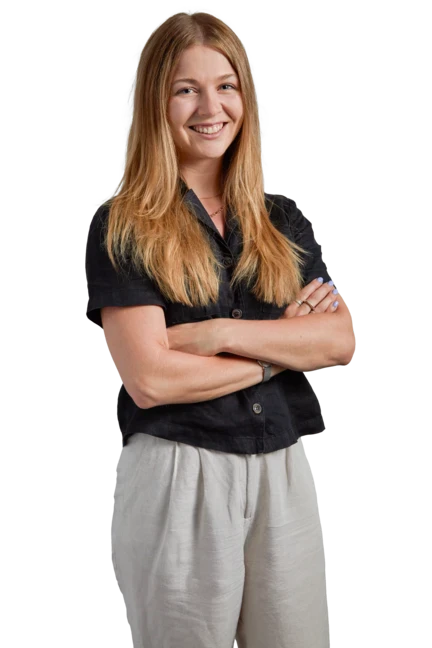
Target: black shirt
(261, 418)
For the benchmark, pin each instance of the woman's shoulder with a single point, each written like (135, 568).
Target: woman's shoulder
(280, 201)
(283, 210)
(100, 217)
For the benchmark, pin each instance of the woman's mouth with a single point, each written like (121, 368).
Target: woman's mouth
(210, 132)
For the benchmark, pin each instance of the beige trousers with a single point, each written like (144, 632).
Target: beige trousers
(212, 547)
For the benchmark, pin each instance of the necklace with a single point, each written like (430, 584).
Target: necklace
(218, 210)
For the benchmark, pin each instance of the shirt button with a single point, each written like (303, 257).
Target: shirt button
(257, 408)
(236, 312)
(227, 262)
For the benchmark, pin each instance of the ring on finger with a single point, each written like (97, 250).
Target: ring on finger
(312, 308)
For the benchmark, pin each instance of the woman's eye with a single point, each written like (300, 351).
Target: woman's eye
(223, 85)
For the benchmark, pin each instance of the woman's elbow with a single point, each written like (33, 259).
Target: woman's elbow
(348, 350)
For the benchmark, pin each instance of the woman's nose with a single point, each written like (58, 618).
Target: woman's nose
(209, 103)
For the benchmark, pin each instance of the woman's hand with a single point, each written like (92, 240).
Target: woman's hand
(199, 338)
(320, 295)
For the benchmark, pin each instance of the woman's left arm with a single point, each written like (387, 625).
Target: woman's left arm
(304, 343)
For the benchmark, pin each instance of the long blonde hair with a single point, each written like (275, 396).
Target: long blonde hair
(150, 225)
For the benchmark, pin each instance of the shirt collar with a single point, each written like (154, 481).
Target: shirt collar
(184, 188)
(190, 197)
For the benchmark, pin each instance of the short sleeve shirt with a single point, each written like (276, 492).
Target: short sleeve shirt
(258, 419)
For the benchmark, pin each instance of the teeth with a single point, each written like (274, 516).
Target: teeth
(210, 129)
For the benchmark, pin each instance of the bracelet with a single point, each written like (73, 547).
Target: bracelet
(267, 370)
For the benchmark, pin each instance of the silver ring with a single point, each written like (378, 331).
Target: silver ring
(299, 301)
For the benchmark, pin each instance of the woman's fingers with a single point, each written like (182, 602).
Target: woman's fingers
(319, 294)
(324, 297)
(316, 290)
(315, 293)
(326, 303)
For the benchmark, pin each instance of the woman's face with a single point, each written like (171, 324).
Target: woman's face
(210, 94)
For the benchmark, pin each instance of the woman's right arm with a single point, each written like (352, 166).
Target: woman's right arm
(153, 374)
(186, 378)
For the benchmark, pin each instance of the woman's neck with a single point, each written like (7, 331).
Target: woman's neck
(205, 184)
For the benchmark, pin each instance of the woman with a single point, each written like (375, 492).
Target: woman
(200, 281)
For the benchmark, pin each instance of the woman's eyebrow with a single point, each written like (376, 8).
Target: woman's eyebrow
(223, 76)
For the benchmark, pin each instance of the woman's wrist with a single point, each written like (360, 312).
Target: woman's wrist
(277, 369)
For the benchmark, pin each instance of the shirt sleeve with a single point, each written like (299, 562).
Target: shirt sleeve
(303, 235)
(108, 287)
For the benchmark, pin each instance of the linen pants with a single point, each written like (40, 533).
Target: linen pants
(210, 547)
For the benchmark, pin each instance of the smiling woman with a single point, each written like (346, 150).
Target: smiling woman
(183, 266)
(204, 80)
(207, 95)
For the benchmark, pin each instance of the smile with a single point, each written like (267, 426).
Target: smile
(210, 132)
